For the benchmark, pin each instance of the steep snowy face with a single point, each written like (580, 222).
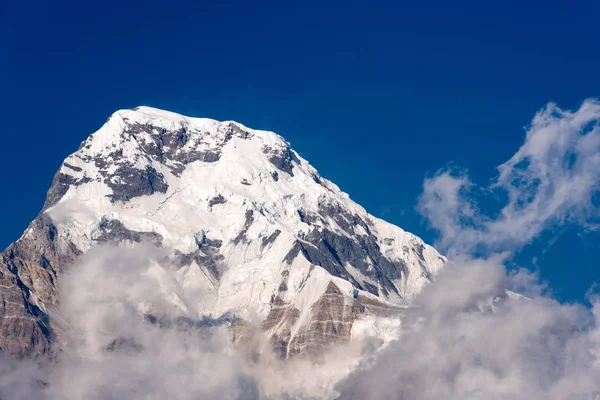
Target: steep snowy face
(250, 227)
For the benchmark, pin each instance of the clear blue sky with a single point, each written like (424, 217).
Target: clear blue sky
(375, 95)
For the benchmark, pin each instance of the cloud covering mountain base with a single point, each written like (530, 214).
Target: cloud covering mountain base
(122, 338)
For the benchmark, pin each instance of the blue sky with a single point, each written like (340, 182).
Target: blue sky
(376, 95)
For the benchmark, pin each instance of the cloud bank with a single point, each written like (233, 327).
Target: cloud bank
(458, 343)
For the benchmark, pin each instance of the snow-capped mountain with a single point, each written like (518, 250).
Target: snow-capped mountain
(250, 228)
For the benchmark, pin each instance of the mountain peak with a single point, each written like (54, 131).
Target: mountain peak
(153, 113)
(153, 147)
(251, 228)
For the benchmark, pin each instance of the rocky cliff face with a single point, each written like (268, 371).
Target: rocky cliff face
(250, 227)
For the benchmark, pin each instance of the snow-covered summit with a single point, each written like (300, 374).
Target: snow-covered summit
(251, 227)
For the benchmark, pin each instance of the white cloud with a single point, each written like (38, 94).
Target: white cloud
(454, 347)
(551, 180)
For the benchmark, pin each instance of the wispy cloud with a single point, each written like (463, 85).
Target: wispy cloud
(551, 180)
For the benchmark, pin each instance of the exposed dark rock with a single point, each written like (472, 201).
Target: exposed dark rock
(175, 145)
(282, 158)
(203, 241)
(28, 272)
(24, 329)
(218, 199)
(271, 238)
(114, 231)
(374, 306)
(124, 345)
(41, 248)
(388, 241)
(293, 253)
(182, 259)
(371, 288)
(234, 129)
(419, 248)
(212, 261)
(60, 185)
(210, 156)
(281, 341)
(104, 162)
(176, 168)
(345, 219)
(128, 182)
(331, 323)
(317, 179)
(310, 218)
(284, 279)
(425, 273)
(207, 256)
(74, 168)
(186, 324)
(281, 318)
(301, 215)
(333, 251)
(241, 236)
(244, 332)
